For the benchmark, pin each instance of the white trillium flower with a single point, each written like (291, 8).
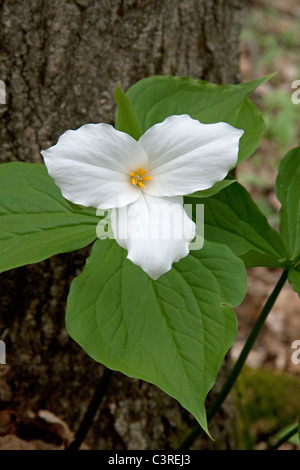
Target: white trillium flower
(144, 181)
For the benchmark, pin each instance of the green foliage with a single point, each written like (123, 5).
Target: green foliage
(126, 119)
(288, 192)
(158, 97)
(213, 190)
(173, 332)
(294, 278)
(231, 217)
(36, 221)
(294, 440)
(281, 117)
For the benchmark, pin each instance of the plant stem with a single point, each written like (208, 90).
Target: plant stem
(92, 410)
(216, 404)
(285, 438)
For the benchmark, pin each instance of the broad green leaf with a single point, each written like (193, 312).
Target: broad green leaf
(288, 192)
(294, 278)
(213, 190)
(173, 332)
(127, 120)
(232, 218)
(158, 97)
(36, 222)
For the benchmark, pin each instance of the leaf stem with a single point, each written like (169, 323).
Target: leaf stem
(285, 438)
(92, 410)
(216, 404)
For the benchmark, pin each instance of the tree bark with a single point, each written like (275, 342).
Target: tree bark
(60, 61)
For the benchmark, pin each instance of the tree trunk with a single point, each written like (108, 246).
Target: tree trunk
(60, 61)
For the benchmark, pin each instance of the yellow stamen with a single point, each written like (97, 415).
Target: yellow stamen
(138, 176)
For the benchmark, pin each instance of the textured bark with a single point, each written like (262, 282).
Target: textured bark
(60, 61)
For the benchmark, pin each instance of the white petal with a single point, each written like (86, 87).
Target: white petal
(156, 232)
(186, 156)
(91, 166)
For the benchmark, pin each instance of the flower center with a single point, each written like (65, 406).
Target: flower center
(138, 177)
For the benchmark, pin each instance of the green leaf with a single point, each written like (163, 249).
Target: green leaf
(232, 218)
(36, 222)
(294, 279)
(158, 97)
(213, 190)
(173, 332)
(283, 433)
(288, 192)
(126, 119)
(254, 258)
